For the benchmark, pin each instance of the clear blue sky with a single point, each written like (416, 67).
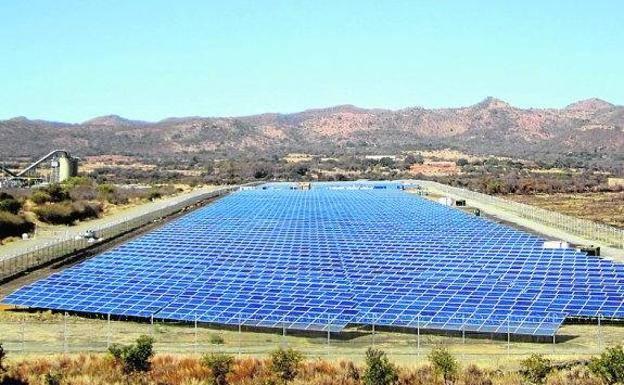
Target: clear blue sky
(73, 60)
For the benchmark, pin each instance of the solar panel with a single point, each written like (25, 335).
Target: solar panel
(338, 254)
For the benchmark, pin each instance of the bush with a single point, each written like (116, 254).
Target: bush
(216, 339)
(67, 213)
(472, 375)
(56, 192)
(52, 379)
(578, 375)
(2, 358)
(59, 213)
(40, 197)
(154, 194)
(379, 370)
(83, 192)
(10, 205)
(86, 210)
(285, 363)
(219, 365)
(444, 364)
(12, 225)
(136, 357)
(609, 365)
(76, 181)
(535, 368)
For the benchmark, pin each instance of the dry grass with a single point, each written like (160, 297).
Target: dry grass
(605, 207)
(101, 369)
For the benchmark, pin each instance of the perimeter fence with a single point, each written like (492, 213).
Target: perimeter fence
(608, 235)
(55, 333)
(68, 244)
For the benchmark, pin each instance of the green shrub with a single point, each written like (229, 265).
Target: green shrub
(609, 365)
(154, 194)
(444, 364)
(86, 210)
(219, 365)
(56, 192)
(75, 181)
(285, 363)
(56, 213)
(67, 213)
(379, 370)
(52, 379)
(40, 197)
(535, 368)
(135, 357)
(10, 205)
(472, 375)
(577, 375)
(216, 339)
(12, 225)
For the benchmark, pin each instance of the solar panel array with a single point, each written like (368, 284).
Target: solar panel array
(338, 254)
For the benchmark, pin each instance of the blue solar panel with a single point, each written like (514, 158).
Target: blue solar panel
(338, 254)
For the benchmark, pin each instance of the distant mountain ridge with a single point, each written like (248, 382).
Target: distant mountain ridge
(491, 126)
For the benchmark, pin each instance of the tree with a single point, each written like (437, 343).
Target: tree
(285, 363)
(219, 365)
(379, 370)
(461, 162)
(444, 364)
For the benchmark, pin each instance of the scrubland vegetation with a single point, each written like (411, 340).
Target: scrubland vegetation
(76, 199)
(137, 363)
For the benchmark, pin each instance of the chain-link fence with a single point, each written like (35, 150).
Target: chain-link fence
(69, 334)
(583, 228)
(64, 245)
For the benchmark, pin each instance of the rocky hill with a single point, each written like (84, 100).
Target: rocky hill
(489, 127)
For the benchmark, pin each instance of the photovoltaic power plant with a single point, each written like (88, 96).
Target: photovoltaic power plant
(335, 255)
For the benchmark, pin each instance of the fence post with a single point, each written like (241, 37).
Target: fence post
(463, 337)
(599, 334)
(195, 336)
(23, 334)
(328, 332)
(240, 334)
(418, 334)
(65, 333)
(373, 331)
(508, 335)
(108, 332)
(554, 337)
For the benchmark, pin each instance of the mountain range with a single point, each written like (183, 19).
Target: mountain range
(491, 126)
